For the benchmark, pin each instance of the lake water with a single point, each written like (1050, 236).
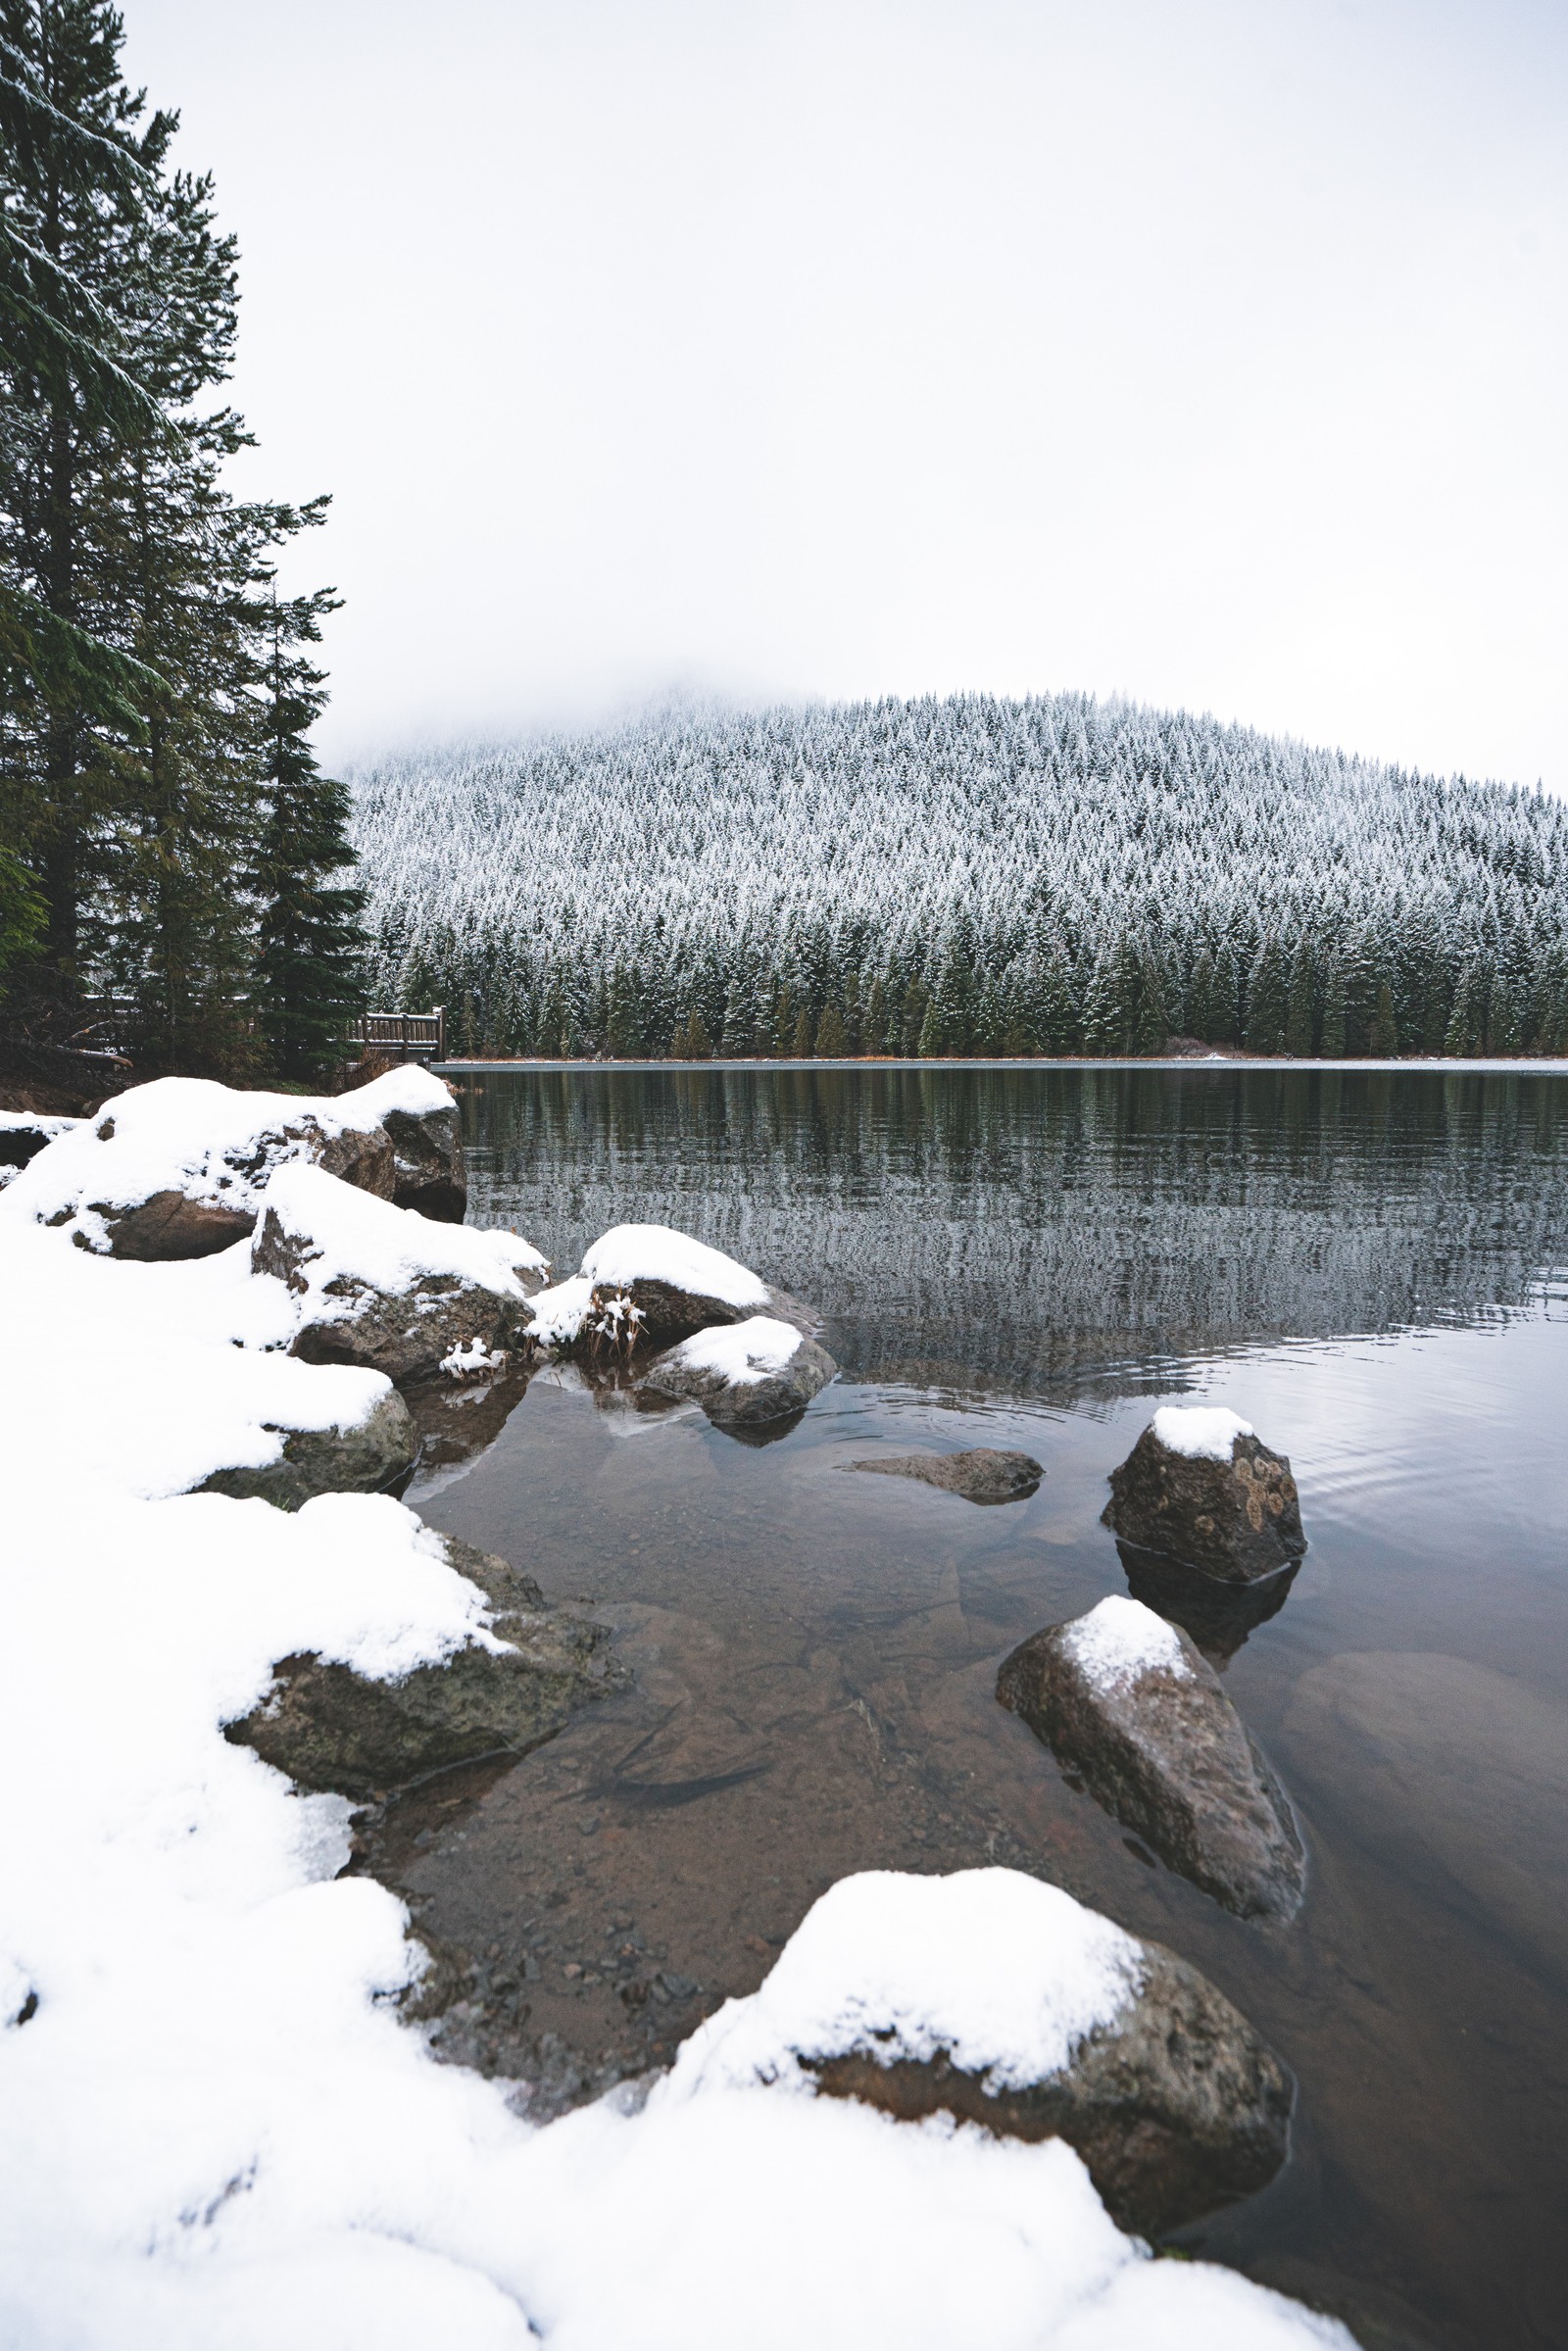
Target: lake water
(1369, 1268)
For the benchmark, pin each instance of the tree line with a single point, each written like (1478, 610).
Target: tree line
(167, 843)
(962, 876)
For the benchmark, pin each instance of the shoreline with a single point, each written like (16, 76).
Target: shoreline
(1526, 1065)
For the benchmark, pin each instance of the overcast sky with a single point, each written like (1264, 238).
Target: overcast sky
(1212, 352)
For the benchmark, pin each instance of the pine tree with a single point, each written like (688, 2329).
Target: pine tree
(1383, 1038)
(874, 1026)
(1467, 1024)
(801, 1041)
(1331, 1040)
(1268, 1003)
(832, 1039)
(1299, 1002)
(310, 967)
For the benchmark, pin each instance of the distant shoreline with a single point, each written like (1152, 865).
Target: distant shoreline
(1523, 1065)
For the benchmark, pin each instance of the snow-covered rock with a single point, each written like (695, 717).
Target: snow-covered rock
(517, 1680)
(744, 1373)
(980, 1475)
(369, 1452)
(1000, 2000)
(178, 1168)
(385, 1288)
(1128, 1703)
(678, 1286)
(1200, 1486)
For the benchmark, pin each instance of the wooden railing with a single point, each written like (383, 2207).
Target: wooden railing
(412, 1036)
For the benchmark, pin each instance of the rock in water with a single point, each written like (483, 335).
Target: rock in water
(678, 1286)
(1201, 1486)
(1128, 1703)
(745, 1373)
(1218, 1614)
(980, 1475)
(428, 1171)
(330, 1728)
(371, 1456)
(1002, 2001)
(384, 1287)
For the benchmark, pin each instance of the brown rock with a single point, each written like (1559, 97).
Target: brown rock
(1176, 2107)
(166, 1225)
(373, 1456)
(1239, 1519)
(1164, 1751)
(981, 1474)
(428, 1169)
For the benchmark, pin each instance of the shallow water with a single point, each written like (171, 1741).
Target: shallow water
(1369, 1267)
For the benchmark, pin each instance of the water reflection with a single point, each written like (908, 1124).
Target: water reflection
(1035, 1231)
(1218, 1615)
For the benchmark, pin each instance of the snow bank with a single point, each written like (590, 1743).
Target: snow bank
(1120, 1641)
(656, 1252)
(215, 2134)
(1007, 1975)
(744, 1354)
(559, 1314)
(1203, 1431)
(210, 1141)
(358, 1238)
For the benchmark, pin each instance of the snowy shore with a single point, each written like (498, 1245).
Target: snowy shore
(215, 2127)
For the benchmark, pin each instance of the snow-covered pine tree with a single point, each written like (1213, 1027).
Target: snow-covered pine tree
(310, 959)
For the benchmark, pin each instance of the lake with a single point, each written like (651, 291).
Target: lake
(1369, 1266)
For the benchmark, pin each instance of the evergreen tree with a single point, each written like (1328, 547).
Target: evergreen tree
(310, 967)
(1331, 1040)
(832, 1039)
(1383, 1038)
(1467, 1024)
(1299, 1005)
(874, 1025)
(1267, 999)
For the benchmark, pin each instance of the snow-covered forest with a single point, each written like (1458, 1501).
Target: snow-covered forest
(965, 876)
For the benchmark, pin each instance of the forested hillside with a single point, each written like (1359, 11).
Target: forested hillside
(963, 877)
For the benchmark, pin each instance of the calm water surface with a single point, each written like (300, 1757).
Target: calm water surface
(1370, 1269)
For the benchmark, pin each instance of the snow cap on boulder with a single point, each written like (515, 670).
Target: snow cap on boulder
(385, 1287)
(1201, 1486)
(997, 2000)
(744, 1372)
(678, 1285)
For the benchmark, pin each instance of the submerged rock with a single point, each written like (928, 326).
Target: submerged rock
(980, 1475)
(384, 1288)
(330, 1728)
(1127, 1703)
(745, 1373)
(372, 1457)
(1002, 2002)
(1201, 1486)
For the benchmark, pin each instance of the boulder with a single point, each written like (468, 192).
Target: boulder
(744, 1373)
(678, 1286)
(1129, 1706)
(372, 1456)
(330, 1728)
(1001, 2002)
(180, 1167)
(428, 1172)
(980, 1475)
(385, 1288)
(1200, 1486)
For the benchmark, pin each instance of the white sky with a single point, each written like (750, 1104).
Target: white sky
(1208, 351)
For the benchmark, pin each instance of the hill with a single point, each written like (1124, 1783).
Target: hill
(1054, 875)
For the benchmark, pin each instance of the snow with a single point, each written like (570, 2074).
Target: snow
(742, 1352)
(467, 1359)
(1005, 1973)
(1203, 1431)
(215, 2134)
(559, 1314)
(35, 1123)
(358, 1238)
(1120, 1641)
(194, 1136)
(654, 1252)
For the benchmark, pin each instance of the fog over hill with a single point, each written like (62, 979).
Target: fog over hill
(968, 875)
